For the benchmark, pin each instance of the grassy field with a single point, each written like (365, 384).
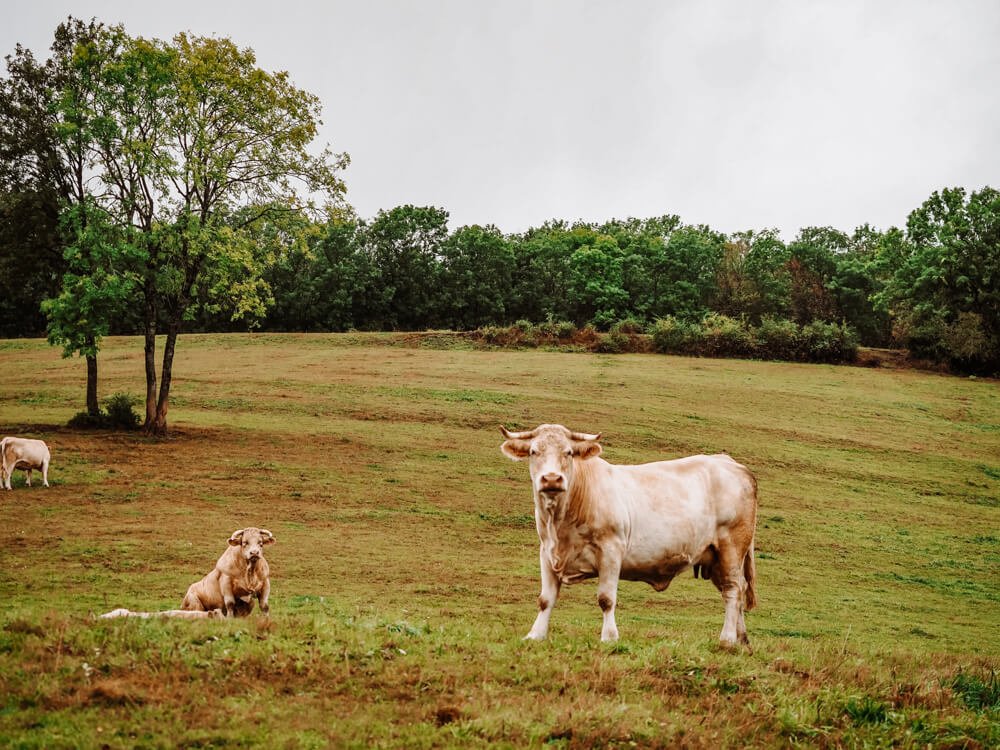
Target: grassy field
(405, 569)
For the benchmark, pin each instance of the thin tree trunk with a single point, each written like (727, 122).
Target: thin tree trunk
(93, 407)
(163, 404)
(150, 350)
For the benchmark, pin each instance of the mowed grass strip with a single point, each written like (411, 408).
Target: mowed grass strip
(405, 571)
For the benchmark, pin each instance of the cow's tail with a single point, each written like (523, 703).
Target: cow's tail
(750, 574)
(749, 562)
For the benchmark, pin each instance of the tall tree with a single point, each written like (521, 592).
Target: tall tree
(753, 278)
(95, 289)
(597, 292)
(321, 284)
(406, 246)
(687, 271)
(47, 113)
(476, 277)
(947, 289)
(197, 146)
(541, 277)
(812, 265)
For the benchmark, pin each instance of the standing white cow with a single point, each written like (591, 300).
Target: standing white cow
(647, 522)
(23, 453)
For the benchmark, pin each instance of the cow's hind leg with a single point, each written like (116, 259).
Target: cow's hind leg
(45, 473)
(727, 575)
(28, 475)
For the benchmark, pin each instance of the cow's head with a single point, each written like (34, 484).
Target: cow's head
(550, 450)
(251, 542)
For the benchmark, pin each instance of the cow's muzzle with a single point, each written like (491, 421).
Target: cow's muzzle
(551, 484)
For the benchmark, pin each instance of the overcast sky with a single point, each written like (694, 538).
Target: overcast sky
(740, 115)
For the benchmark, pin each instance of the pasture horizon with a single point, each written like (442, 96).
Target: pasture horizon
(405, 570)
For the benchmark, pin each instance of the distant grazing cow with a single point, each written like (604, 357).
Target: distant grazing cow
(23, 453)
(240, 574)
(646, 522)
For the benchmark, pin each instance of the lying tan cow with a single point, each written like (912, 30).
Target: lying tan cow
(23, 453)
(180, 613)
(646, 522)
(240, 574)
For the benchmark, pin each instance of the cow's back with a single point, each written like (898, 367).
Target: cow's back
(27, 451)
(676, 509)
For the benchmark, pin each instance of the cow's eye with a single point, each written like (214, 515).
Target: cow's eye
(533, 452)
(568, 452)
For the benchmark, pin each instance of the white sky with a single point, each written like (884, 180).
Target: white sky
(740, 115)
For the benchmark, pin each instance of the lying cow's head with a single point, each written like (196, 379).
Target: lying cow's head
(251, 542)
(550, 450)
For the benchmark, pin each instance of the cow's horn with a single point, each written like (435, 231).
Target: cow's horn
(583, 436)
(527, 435)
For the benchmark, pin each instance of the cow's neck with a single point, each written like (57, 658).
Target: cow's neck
(252, 570)
(573, 509)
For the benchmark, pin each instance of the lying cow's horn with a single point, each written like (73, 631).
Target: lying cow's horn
(518, 435)
(584, 436)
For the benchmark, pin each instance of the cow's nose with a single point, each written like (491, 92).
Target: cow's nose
(551, 483)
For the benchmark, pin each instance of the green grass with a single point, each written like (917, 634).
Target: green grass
(405, 569)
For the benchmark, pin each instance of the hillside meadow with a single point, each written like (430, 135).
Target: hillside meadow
(405, 571)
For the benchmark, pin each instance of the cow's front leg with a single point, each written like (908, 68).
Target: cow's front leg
(228, 597)
(265, 592)
(28, 472)
(546, 600)
(607, 593)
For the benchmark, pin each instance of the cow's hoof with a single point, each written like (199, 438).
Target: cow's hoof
(533, 637)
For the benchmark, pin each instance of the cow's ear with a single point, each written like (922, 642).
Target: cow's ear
(266, 536)
(237, 538)
(587, 449)
(516, 450)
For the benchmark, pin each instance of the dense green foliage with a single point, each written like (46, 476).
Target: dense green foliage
(193, 164)
(404, 271)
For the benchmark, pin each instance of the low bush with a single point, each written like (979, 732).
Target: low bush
(776, 339)
(628, 326)
(715, 336)
(121, 414)
(674, 336)
(827, 342)
(118, 414)
(722, 336)
(614, 342)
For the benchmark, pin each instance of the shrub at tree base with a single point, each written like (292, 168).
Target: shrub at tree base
(118, 414)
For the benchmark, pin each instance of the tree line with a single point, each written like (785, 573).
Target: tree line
(933, 287)
(152, 187)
